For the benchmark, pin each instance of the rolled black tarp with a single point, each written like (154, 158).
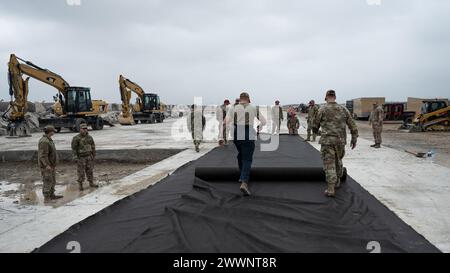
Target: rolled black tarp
(262, 174)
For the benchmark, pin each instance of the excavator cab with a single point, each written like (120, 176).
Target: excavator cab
(151, 102)
(78, 100)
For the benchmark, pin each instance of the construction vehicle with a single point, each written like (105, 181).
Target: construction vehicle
(73, 105)
(147, 109)
(396, 111)
(434, 116)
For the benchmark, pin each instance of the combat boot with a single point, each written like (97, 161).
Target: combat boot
(80, 186)
(55, 197)
(307, 140)
(343, 179)
(377, 146)
(92, 185)
(373, 146)
(329, 192)
(244, 189)
(48, 199)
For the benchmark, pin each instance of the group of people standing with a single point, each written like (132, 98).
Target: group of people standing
(332, 119)
(83, 154)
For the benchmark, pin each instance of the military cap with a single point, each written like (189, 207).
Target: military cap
(244, 95)
(331, 93)
(83, 126)
(49, 128)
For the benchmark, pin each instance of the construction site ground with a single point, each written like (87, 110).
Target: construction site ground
(416, 189)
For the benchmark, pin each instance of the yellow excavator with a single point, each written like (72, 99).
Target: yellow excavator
(73, 105)
(147, 109)
(434, 116)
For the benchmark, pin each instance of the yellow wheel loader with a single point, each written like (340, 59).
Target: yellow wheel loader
(434, 116)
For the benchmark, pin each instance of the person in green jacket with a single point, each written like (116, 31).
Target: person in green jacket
(83, 151)
(47, 159)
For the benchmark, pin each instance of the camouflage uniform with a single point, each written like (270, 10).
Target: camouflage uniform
(312, 114)
(332, 118)
(196, 123)
(293, 124)
(83, 151)
(221, 114)
(277, 117)
(47, 157)
(376, 119)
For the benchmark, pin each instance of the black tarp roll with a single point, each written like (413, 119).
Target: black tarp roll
(262, 174)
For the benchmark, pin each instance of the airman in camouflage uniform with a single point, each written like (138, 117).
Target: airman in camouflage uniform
(376, 119)
(221, 114)
(47, 159)
(293, 123)
(83, 151)
(196, 123)
(313, 110)
(277, 117)
(333, 118)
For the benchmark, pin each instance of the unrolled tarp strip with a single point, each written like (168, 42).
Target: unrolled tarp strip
(185, 213)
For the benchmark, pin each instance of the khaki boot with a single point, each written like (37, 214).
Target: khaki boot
(329, 192)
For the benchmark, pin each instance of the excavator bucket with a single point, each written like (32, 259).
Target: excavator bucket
(18, 129)
(126, 120)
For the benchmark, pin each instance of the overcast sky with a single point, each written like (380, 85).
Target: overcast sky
(281, 49)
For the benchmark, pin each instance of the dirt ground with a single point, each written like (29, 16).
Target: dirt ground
(27, 178)
(66, 173)
(402, 140)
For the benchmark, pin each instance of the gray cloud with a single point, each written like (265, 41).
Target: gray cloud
(288, 50)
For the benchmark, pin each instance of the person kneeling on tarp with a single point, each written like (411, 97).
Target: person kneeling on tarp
(243, 116)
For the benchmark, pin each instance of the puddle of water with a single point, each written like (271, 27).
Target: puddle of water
(32, 194)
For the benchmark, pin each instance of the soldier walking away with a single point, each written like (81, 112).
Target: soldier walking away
(313, 110)
(83, 152)
(277, 117)
(196, 122)
(243, 116)
(333, 119)
(293, 123)
(376, 119)
(221, 114)
(47, 159)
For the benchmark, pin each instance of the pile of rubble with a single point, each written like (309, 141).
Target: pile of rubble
(34, 112)
(111, 117)
(38, 110)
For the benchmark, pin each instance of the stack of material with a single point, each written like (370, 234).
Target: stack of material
(111, 117)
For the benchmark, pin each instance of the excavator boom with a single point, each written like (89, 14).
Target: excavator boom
(126, 86)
